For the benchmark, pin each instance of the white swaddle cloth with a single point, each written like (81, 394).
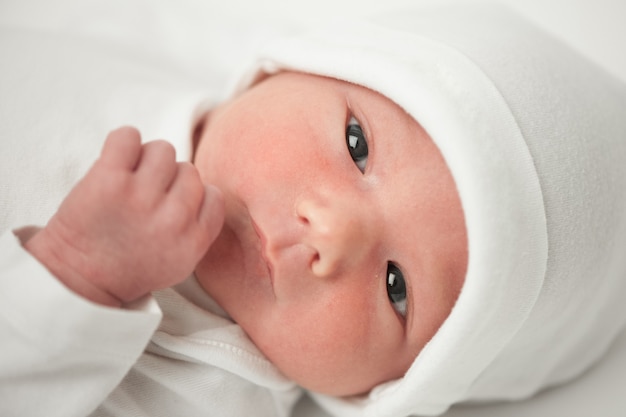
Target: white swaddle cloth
(535, 137)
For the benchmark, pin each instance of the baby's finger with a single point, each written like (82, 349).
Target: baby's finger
(122, 148)
(205, 204)
(157, 166)
(187, 189)
(211, 215)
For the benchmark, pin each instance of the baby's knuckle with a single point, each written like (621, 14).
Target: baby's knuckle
(140, 204)
(190, 170)
(201, 241)
(164, 149)
(117, 138)
(176, 217)
(115, 186)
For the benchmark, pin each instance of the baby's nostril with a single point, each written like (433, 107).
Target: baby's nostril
(316, 265)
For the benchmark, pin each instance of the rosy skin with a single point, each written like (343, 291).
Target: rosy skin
(137, 222)
(303, 258)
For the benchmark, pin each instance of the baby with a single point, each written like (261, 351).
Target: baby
(324, 272)
(400, 214)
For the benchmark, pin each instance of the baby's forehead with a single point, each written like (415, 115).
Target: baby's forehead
(353, 91)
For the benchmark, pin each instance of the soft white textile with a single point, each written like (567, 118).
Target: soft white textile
(61, 355)
(199, 364)
(152, 30)
(535, 137)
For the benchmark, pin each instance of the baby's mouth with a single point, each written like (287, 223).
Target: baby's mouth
(263, 251)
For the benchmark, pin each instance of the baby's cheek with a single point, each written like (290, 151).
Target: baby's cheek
(330, 347)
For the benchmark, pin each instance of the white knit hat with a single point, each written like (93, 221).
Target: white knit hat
(535, 138)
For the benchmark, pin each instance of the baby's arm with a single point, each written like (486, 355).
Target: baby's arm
(137, 222)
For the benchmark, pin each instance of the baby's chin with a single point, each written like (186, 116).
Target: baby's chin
(341, 385)
(323, 374)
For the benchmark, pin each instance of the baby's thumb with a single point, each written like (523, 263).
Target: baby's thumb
(211, 215)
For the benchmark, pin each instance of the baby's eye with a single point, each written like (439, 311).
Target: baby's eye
(357, 143)
(396, 288)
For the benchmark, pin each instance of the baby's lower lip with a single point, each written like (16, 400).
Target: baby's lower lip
(262, 251)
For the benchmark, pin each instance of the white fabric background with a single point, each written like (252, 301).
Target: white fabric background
(213, 40)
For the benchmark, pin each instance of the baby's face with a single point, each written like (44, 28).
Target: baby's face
(344, 244)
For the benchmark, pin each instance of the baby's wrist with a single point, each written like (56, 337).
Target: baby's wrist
(49, 254)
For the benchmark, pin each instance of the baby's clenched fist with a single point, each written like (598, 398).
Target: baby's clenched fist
(137, 222)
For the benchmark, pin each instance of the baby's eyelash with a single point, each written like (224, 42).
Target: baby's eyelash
(396, 289)
(357, 143)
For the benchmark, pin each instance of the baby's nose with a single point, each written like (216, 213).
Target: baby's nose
(341, 234)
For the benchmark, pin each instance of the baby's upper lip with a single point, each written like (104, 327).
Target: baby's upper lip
(263, 251)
